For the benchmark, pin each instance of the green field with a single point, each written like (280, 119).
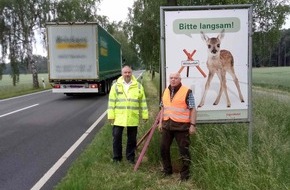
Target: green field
(24, 85)
(272, 77)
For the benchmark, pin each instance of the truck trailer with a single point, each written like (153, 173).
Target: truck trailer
(82, 58)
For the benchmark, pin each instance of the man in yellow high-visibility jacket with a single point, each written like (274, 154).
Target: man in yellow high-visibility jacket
(177, 120)
(126, 106)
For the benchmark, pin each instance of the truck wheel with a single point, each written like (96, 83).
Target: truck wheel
(69, 94)
(109, 86)
(104, 88)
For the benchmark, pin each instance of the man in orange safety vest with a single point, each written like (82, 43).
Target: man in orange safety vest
(177, 120)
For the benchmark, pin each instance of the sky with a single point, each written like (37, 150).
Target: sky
(287, 25)
(116, 10)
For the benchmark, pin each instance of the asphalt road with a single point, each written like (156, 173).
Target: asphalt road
(37, 130)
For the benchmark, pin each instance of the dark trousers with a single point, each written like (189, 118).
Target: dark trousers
(131, 143)
(183, 141)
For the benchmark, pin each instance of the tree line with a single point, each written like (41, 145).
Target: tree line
(270, 42)
(139, 35)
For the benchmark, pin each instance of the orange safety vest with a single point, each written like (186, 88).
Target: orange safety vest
(176, 109)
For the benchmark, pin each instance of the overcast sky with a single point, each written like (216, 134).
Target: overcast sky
(116, 10)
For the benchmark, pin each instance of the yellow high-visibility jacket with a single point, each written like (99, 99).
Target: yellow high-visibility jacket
(127, 108)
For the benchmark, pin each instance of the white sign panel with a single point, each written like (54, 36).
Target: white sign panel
(210, 49)
(72, 51)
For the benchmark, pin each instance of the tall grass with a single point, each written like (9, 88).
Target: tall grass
(221, 157)
(223, 160)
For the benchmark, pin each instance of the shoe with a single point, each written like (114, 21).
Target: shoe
(116, 161)
(184, 178)
(166, 173)
(132, 161)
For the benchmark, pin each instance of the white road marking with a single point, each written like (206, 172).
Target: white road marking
(63, 158)
(18, 110)
(24, 95)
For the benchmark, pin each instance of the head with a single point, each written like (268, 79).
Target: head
(213, 44)
(175, 79)
(127, 73)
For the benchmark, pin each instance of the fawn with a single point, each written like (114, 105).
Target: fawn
(219, 62)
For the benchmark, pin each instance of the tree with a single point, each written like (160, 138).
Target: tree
(145, 25)
(121, 33)
(76, 10)
(2, 68)
(269, 17)
(172, 2)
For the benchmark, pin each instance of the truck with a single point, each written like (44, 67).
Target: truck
(82, 58)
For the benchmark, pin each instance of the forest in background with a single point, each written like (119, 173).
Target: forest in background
(19, 21)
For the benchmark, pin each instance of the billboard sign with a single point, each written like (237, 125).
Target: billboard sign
(210, 47)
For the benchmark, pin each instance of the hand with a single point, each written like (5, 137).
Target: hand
(145, 120)
(192, 129)
(160, 128)
(111, 121)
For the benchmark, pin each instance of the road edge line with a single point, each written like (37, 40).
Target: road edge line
(64, 157)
